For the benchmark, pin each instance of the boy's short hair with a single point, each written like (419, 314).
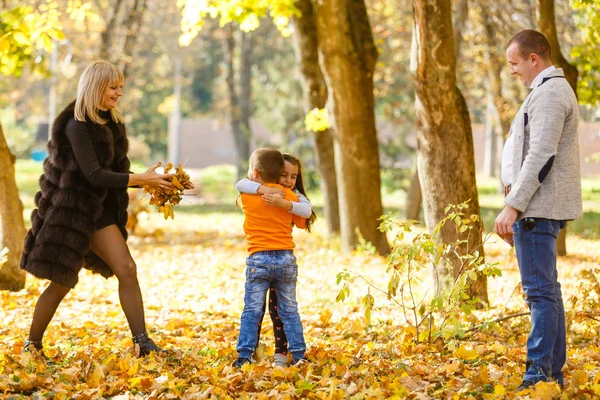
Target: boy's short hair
(531, 41)
(268, 162)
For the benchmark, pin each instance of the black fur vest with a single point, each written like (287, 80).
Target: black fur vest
(58, 244)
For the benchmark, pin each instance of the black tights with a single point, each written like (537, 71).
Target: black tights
(281, 345)
(108, 243)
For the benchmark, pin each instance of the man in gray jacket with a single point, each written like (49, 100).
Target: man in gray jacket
(540, 170)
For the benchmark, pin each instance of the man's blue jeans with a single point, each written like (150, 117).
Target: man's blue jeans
(536, 254)
(265, 269)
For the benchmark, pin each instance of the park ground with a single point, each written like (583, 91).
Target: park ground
(191, 270)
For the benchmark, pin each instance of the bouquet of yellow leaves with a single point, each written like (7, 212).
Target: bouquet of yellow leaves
(166, 200)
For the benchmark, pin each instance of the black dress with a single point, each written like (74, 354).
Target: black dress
(87, 159)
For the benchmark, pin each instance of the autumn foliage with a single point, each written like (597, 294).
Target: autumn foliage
(191, 272)
(166, 200)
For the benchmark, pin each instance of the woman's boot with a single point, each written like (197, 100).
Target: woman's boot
(143, 345)
(34, 347)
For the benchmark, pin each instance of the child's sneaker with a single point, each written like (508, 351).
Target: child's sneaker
(300, 362)
(241, 361)
(280, 360)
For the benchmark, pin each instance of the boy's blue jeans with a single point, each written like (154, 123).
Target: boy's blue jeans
(536, 254)
(265, 269)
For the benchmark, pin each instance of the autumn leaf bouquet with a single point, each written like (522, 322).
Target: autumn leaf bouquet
(165, 200)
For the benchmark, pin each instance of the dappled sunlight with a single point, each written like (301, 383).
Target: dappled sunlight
(191, 271)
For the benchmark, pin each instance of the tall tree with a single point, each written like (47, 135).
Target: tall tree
(490, 163)
(547, 25)
(306, 46)
(109, 33)
(241, 136)
(13, 226)
(494, 65)
(245, 84)
(414, 198)
(498, 110)
(355, 149)
(348, 57)
(123, 31)
(23, 29)
(586, 53)
(133, 25)
(460, 19)
(445, 142)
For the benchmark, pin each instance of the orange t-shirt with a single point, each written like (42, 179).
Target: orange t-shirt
(268, 227)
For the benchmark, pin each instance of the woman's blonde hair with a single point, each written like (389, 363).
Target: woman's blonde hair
(93, 82)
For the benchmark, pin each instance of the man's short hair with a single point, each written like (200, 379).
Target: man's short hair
(531, 41)
(269, 162)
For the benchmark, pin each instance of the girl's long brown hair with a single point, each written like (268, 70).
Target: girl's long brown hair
(300, 186)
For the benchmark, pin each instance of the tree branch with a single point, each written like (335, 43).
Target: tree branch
(504, 318)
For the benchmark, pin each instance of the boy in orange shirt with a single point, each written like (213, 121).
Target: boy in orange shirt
(271, 261)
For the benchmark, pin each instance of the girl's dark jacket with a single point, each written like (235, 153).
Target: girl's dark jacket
(58, 244)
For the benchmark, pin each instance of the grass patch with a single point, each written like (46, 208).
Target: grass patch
(216, 185)
(28, 174)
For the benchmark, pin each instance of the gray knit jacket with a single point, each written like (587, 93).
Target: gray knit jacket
(546, 171)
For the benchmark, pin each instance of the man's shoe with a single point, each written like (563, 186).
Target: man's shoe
(560, 382)
(280, 360)
(526, 384)
(144, 345)
(241, 361)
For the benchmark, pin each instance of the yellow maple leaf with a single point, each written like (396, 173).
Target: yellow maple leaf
(325, 316)
(109, 359)
(484, 375)
(464, 354)
(578, 378)
(499, 390)
(498, 348)
(452, 367)
(134, 368)
(545, 390)
(96, 376)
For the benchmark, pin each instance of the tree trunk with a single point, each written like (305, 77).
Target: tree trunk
(109, 33)
(413, 198)
(134, 27)
(489, 166)
(245, 96)
(462, 13)
(12, 277)
(503, 111)
(242, 143)
(348, 56)
(445, 143)
(494, 70)
(499, 145)
(547, 25)
(306, 46)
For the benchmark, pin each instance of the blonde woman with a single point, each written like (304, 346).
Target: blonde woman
(82, 205)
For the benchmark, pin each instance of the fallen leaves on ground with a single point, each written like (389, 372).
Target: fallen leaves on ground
(192, 276)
